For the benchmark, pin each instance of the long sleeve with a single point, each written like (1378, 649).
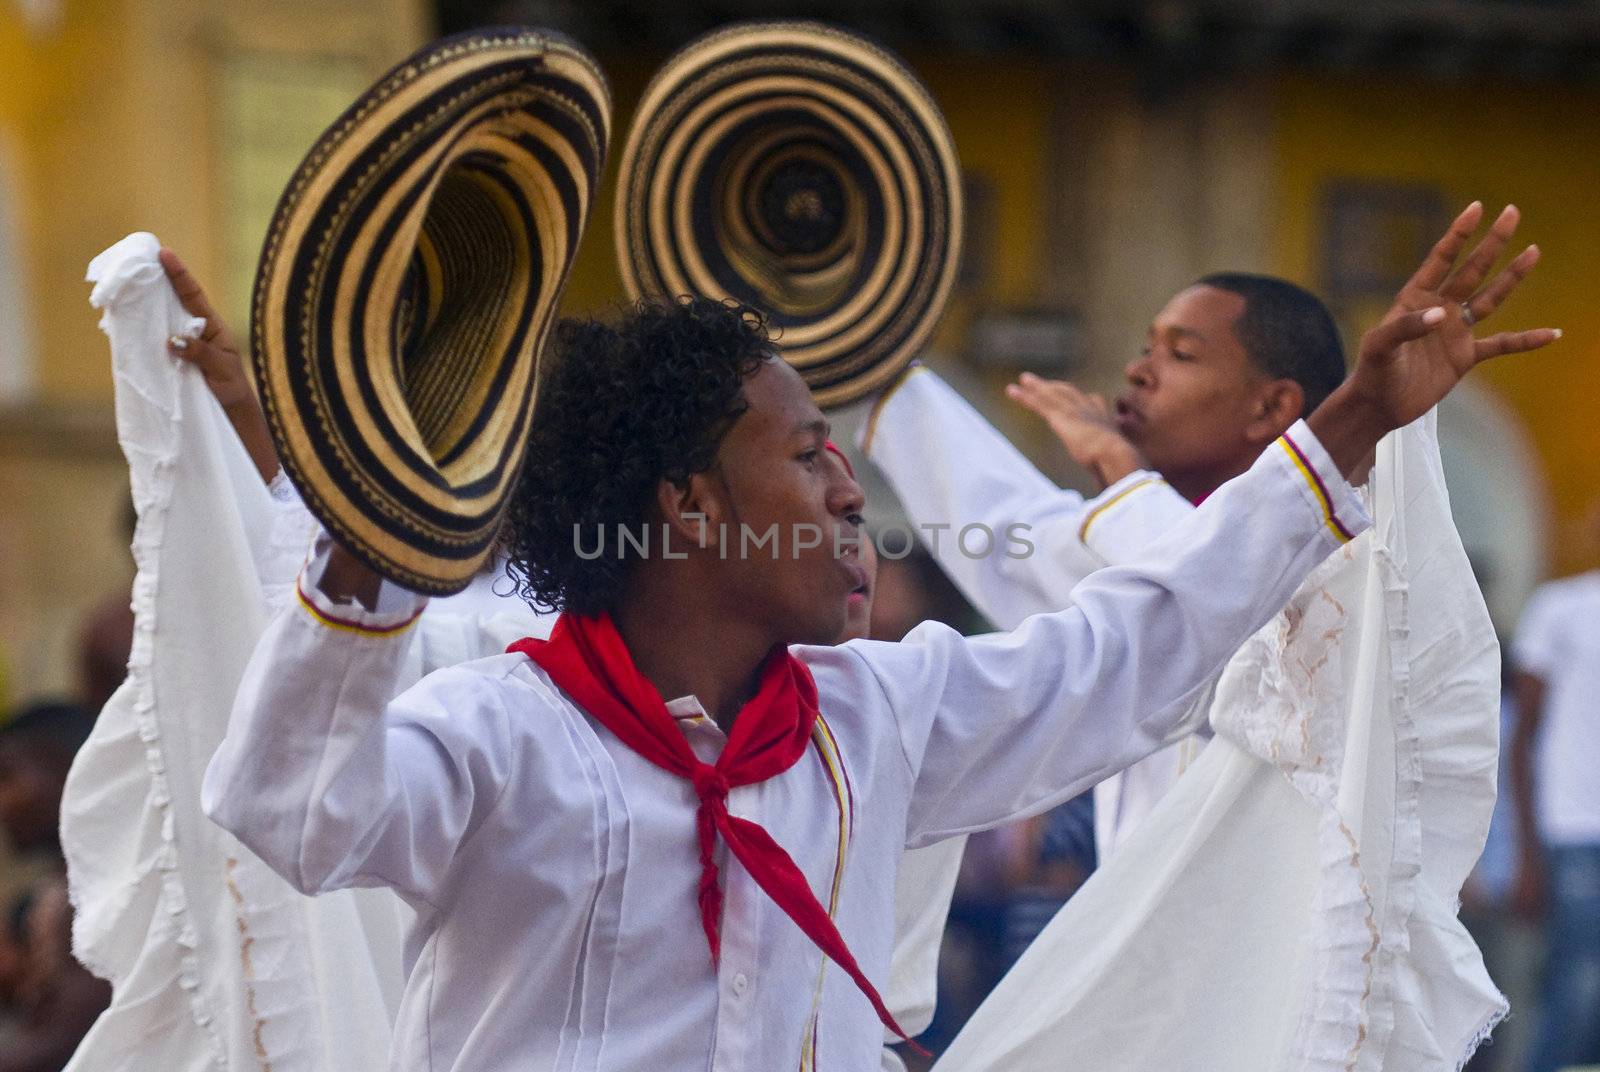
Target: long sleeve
(1002, 726)
(951, 469)
(332, 781)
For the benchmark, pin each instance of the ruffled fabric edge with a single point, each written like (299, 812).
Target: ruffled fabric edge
(1350, 946)
(1359, 950)
(151, 454)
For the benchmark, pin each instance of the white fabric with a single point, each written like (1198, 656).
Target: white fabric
(1291, 904)
(922, 893)
(215, 961)
(553, 869)
(949, 466)
(1558, 641)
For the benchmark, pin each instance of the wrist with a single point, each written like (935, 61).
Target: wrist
(1348, 425)
(1115, 460)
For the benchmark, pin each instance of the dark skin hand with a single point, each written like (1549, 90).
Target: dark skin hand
(1424, 346)
(216, 354)
(1083, 423)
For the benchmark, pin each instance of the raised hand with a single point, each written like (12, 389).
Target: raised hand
(216, 354)
(1424, 345)
(1406, 377)
(1083, 423)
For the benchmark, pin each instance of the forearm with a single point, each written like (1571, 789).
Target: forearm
(1026, 720)
(1529, 702)
(951, 469)
(1348, 429)
(309, 709)
(1522, 797)
(250, 425)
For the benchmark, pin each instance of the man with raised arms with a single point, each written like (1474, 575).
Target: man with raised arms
(1227, 366)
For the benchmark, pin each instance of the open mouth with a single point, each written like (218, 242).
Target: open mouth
(861, 586)
(1127, 413)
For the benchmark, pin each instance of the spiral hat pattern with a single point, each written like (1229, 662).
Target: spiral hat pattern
(408, 282)
(802, 169)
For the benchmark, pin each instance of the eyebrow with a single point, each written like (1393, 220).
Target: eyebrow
(819, 427)
(1187, 333)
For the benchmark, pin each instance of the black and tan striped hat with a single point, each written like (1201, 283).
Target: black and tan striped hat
(409, 278)
(804, 170)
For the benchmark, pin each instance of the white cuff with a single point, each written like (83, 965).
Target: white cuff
(396, 607)
(1325, 489)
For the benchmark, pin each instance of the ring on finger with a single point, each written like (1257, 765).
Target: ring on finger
(1467, 315)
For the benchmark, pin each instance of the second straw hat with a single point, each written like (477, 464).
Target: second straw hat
(802, 169)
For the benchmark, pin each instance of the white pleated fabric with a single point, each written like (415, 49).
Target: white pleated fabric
(216, 963)
(1291, 903)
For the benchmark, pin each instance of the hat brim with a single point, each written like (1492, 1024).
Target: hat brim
(408, 281)
(804, 170)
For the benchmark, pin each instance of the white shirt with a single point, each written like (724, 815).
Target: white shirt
(951, 467)
(554, 870)
(1558, 640)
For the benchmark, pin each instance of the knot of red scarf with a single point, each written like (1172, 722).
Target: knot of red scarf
(710, 784)
(587, 660)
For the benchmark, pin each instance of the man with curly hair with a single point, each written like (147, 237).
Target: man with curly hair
(639, 844)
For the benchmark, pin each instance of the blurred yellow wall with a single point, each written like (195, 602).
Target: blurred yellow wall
(1102, 197)
(1529, 145)
(127, 115)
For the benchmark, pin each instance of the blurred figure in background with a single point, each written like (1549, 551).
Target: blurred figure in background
(48, 1001)
(13, 966)
(57, 999)
(105, 638)
(1555, 754)
(36, 749)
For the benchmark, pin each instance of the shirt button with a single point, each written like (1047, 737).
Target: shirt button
(741, 983)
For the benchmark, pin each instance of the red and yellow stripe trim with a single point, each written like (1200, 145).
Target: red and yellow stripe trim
(844, 797)
(1094, 515)
(1320, 490)
(347, 625)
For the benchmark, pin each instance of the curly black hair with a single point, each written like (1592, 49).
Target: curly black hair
(623, 407)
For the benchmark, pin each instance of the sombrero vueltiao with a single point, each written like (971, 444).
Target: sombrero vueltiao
(406, 287)
(804, 170)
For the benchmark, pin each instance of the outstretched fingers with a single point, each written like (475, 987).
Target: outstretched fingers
(1442, 258)
(1041, 395)
(1475, 269)
(1514, 342)
(1483, 304)
(1388, 336)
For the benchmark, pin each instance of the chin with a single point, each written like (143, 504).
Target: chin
(857, 624)
(819, 630)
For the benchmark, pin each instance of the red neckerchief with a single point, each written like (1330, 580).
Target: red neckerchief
(587, 660)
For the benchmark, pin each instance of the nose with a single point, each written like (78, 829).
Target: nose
(848, 498)
(1140, 372)
(845, 495)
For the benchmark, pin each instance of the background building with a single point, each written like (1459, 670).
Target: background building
(1113, 152)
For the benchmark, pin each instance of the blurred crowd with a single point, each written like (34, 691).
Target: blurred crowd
(48, 1000)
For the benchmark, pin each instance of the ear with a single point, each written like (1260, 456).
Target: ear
(694, 510)
(1278, 404)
